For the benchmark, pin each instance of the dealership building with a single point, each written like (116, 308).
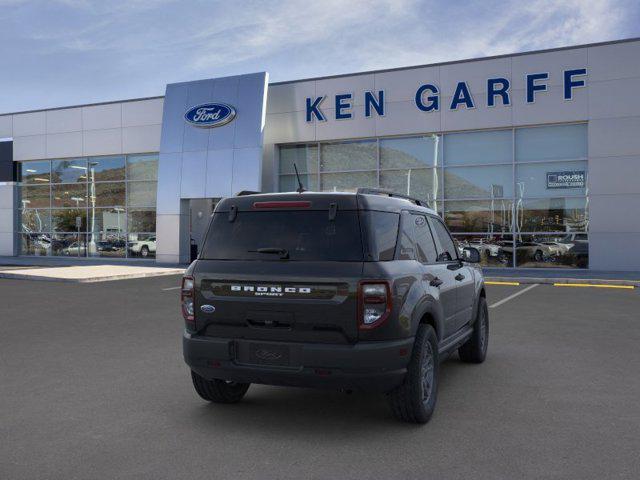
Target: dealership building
(534, 158)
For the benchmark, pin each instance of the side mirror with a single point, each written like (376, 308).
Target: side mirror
(470, 254)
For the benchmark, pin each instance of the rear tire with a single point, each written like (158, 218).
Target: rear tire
(144, 251)
(415, 400)
(475, 349)
(219, 391)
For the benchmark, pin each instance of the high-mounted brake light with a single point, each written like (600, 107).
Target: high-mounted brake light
(292, 204)
(374, 302)
(186, 302)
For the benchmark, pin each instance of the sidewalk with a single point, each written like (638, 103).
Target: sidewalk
(30, 262)
(561, 276)
(86, 273)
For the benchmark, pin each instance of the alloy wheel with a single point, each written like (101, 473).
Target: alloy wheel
(428, 372)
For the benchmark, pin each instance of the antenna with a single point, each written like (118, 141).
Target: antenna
(300, 188)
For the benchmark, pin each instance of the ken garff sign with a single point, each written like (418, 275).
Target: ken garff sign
(210, 115)
(427, 96)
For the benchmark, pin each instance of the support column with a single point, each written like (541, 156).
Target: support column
(7, 219)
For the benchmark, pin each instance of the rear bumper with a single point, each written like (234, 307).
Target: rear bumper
(365, 366)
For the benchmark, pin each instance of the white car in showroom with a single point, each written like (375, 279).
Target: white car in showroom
(144, 248)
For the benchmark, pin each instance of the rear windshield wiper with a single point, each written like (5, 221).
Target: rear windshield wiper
(284, 254)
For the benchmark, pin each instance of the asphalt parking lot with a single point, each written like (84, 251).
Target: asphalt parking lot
(93, 386)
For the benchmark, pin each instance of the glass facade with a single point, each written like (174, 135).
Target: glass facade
(95, 206)
(518, 195)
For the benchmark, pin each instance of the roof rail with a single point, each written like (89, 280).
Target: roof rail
(242, 193)
(390, 193)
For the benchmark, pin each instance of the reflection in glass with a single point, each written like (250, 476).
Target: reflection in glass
(141, 194)
(546, 179)
(492, 248)
(108, 194)
(289, 183)
(345, 156)
(69, 171)
(142, 167)
(105, 244)
(347, 182)
(142, 245)
(109, 221)
(552, 215)
(479, 216)
(473, 148)
(420, 183)
(105, 169)
(64, 220)
(93, 189)
(34, 172)
(304, 156)
(411, 152)
(37, 244)
(557, 142)
(552, 251)
(143, 220)
(478, 182)
(35, 220)
(69, 195)
(34, 196)
(69, 245)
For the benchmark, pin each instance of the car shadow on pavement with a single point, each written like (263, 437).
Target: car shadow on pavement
(289, 410)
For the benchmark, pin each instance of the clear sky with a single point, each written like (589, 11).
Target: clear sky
(68, 52)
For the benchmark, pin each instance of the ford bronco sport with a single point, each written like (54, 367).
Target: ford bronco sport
(351, 291)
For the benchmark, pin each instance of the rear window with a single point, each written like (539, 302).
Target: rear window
(305, 235)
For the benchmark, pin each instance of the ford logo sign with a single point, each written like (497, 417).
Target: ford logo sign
(210, 115)
(208, 308)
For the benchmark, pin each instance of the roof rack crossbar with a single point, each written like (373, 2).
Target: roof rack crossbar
(390, 193)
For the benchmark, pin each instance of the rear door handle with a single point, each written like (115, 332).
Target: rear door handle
(459, 277)
(436, 282)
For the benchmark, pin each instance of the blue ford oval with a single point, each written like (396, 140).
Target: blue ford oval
(208, 308)
(210, 115)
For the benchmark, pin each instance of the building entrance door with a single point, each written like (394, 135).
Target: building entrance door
(200, 210)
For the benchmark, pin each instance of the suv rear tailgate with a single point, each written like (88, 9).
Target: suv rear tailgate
(278, 300)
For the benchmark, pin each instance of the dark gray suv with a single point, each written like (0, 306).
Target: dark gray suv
(352, 291)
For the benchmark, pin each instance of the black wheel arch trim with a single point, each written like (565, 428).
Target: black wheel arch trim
(429, 307)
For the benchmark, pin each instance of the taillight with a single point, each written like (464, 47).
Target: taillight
(375, 304)
(186, 301)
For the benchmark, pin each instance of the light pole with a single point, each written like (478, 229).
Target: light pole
(519, 208)
(93, 205)
(119, 210)
(436, 141)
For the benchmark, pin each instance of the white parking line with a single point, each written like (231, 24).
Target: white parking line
(511, 297)
(171, 288)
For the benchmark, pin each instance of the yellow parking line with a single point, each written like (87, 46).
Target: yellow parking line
(514, 284)
(594, 285)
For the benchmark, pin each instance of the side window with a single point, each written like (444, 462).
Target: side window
(426, 248)
(407, 249)
(446, 248)
(383, 233)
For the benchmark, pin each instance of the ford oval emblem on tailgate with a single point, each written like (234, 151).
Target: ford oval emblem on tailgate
(208, 308)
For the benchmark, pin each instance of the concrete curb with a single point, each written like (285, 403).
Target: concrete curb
(20, 276)
(551, 281)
